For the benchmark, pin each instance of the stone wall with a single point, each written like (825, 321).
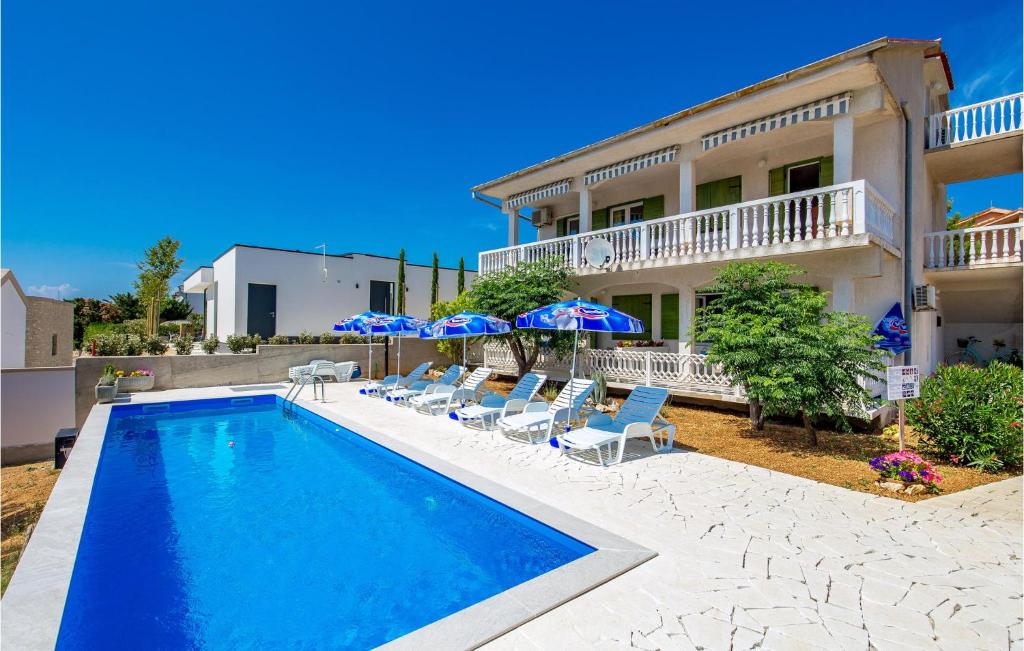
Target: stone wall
(45, 319)
(268, 364)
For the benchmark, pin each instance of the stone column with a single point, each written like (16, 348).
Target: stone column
(586, 218)
(687, 177)
(687, 301)
(513, 225)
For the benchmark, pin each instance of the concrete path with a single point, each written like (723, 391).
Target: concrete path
(749, 557)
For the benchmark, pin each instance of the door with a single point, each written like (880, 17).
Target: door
(381, 296)
(262, 310)
(631, 214)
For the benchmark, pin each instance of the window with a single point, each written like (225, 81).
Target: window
(628, 214)
(567, 226)
(53, 346)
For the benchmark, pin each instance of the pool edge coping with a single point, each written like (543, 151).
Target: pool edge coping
(33, 604)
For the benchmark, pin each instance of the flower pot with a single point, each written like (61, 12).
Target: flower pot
(106, 392)
(137, 383)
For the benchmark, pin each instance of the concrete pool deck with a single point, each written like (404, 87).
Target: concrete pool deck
(746, 556)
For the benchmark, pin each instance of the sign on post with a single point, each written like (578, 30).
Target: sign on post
(902, 382)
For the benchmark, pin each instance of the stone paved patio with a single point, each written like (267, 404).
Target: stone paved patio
(749, 557)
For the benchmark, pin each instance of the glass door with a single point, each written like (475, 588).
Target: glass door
(630, 214)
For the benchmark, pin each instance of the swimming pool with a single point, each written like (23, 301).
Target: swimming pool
(233, 523)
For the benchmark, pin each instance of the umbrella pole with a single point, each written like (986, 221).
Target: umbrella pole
(572, 376)
(464, 351)
(399, 356)
(369, 359)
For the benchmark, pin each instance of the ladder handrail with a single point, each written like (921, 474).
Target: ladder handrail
(306, 374)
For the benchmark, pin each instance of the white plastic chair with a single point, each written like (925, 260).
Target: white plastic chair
(493, 406)
(539, 418)
(637, 418)
(392, 382)
(448, 378)
(466, 391)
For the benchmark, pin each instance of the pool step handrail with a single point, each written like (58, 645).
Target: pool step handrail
(300, 377)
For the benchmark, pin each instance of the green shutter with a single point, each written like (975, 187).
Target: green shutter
(560, 227)
(670, 316)
(599, 219)
(638, 306)
(825, 174)
(654, 207)
(777, 181)
(721, 192)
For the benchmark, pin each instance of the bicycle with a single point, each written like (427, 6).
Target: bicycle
(969, 353)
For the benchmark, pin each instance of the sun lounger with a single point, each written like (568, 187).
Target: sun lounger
(493, 406)
(446, 395)
(448, 378)
(538, 419)
(392, 382)
(637, 418)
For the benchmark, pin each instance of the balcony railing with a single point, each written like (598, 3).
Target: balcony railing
(968, 247)
(825, 213)
(967, 123)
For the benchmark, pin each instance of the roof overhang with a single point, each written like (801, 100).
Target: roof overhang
(200, 280)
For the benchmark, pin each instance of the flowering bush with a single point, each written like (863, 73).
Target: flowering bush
(971, 415)
(640, 343)
(139, 372)
(907, 467)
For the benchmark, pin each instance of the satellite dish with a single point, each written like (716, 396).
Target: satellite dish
(598, 253)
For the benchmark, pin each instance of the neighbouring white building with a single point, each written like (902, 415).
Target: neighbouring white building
(840, 166)
(13, 318)
(269, 291)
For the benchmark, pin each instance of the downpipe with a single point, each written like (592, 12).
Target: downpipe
(908, 200)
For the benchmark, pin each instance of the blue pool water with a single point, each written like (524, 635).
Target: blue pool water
(301, 534)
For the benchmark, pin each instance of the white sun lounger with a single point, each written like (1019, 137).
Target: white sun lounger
(446, 395)
(493, 406)
(391, 382)
(637, 418)
(448, 378)
(538, 419)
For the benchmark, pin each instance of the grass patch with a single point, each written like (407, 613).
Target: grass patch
(840, 459)
(23, 491)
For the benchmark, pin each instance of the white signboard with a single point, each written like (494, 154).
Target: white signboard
(903, 382)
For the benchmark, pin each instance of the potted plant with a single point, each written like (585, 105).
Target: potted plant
(141, 379)
(106, 388)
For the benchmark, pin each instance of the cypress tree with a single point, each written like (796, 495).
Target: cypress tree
(433, 281)
(400, 299)
(462, 275)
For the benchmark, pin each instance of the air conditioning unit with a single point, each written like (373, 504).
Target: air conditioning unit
(924, 298)
(542, 217)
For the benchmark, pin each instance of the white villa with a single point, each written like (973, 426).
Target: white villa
(840, 166)
(268, 291)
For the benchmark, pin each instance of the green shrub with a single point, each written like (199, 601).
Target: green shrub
(135, 327)
(95, 330)
(253, 341)
(183, 345)
(327, 337)
(306, 338)
(168, 329)
(154, 346)
(112, 345)
(210, 344)
(277, 340)
(352, 339)
(237, 343)
(971, 415)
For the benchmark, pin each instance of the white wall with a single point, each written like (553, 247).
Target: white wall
(12, 323)
(34, 404)
(304, 301)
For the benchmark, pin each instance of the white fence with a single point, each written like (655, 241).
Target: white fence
(34, 404)
(983, 245)
(823, 213)
(689, 372)
(976, 121)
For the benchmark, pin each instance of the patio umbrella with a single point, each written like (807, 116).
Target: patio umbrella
(379, 323)
(465, 325)
(578, 315)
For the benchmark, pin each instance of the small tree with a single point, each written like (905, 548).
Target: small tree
(160, 264)
(461, 283)
(452, 348)
(509, 293)
(433, 280)
(777, 340)
(400, 297)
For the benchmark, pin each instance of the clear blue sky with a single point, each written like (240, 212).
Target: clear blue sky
(290, 123)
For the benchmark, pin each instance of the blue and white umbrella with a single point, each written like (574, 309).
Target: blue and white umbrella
(578, 315)
(465, 325)
(379, 323)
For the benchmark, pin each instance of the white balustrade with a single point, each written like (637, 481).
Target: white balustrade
(835, 211)
(966, 123)
(966, 247)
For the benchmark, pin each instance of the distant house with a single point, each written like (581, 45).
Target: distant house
(36, 331)
(269, 291)
(989, 217)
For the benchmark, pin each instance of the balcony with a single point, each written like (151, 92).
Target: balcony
(974, 248)
(976, 141)
(847, 214)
